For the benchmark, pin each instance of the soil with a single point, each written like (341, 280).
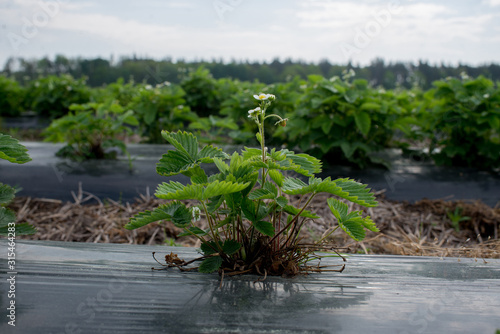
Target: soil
(422, 228)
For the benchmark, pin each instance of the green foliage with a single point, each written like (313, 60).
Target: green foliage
(12, 151)
(91, 128)
(462, 121)
(202, 92)
(121, 92)
(11, 97)
(250, 223)
(338, 120)
(52, 96)
(161, 107)
(342, 121)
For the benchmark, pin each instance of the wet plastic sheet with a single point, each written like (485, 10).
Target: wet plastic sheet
(52, 177)
(109, 288)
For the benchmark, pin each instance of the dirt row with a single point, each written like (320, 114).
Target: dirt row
(422, 228)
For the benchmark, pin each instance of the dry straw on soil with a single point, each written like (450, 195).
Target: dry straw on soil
(422, 228)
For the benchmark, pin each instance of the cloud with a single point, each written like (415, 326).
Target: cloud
(408, 31)
(308, 30)
(492, 3)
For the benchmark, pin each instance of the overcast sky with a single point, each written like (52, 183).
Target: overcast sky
(449, 31)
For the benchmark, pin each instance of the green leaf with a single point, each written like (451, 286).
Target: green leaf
(211, 264)
(21, 229)
(173, 163)
(277, 177)
(294, 211)
(261, 194)
(345, 188)
(354, 229)
(7, 193)
(282, 201)
(192, 230)
(184, 142)
(251, 153)
(248, 208)
(221, 165)
(6, 217)
(231, 246)
(370, 106)
(351, 190)
(264, 227)
(287, 160)
(293, 186)
(351, 95)
(187, 156)
(271, 188)
(175, 212)
(338, 208)
(197, 175)
(218, 188)
(363, 122)
(12, 151)
(352, 223)
(327, 126)
(208, 153)
(369, 224)
(259, 137)
(209, 248)
(307, 165)
(175, 190)
(347, 148)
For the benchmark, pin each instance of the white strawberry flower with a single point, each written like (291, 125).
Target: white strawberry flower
(261, 96)
(195, 211)
(254, 112)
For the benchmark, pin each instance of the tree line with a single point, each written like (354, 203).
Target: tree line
(378, 73)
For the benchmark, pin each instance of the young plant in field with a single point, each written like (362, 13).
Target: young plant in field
(12, 151)
(456, 218)
(251, 225)
(90, 129)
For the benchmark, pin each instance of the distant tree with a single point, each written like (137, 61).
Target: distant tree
(100, 71)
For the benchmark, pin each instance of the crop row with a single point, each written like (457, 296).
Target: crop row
(340, 120)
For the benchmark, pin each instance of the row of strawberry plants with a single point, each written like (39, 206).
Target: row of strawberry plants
(341, 120)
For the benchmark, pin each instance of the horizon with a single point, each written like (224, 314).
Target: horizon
(115, 59)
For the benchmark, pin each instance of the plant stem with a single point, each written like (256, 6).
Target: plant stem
(294, 218)
(210, 224)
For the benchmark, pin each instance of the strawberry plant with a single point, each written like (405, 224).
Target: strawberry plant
(52, 96)
(252, 227)
(342, 121)
(160, 107)
(91, 128)
(462, 122)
